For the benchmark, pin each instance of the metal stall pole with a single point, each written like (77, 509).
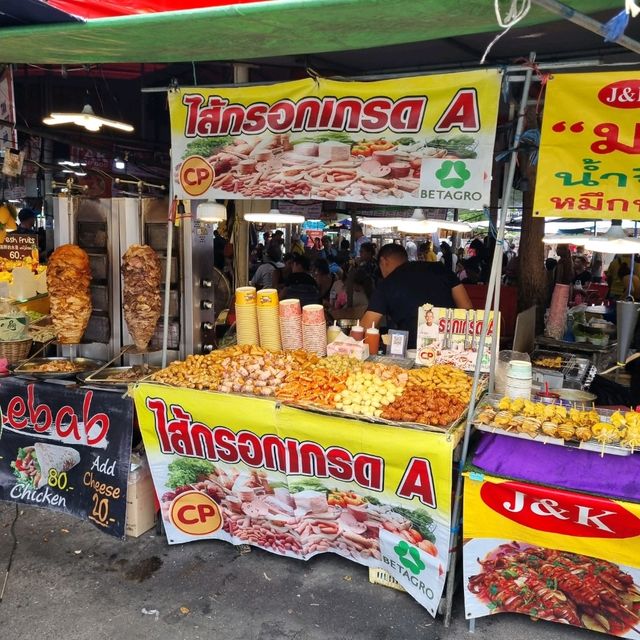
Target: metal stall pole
(586, 22)
(496, 269)
(633, 263)
(173, 207)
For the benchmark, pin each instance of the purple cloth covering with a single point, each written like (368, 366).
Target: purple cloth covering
(563, 467)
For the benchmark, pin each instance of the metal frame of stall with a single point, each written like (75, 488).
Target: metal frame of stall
(493, 292)
(492, 300)
(176, 211)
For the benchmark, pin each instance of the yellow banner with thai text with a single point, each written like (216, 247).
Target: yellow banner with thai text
(296, 483)
(589, 161)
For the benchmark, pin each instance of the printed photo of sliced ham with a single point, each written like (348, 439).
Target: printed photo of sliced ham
(299, 518)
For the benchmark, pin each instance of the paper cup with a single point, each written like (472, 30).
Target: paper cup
(267, 298)
(313, 314)
(245, 296)
(290, 308)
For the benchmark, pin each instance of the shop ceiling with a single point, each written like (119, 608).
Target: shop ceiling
(109, 61)
(253, 30)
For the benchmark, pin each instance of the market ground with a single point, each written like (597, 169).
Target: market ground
(68, 580)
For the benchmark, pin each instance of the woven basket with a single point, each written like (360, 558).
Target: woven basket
(15, 350)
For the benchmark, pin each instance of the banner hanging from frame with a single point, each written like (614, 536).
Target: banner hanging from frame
(419, 142)
(590, 148)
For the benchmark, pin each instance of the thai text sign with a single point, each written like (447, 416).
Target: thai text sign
(67, 450)
(557, 555)
(590, 149)
(422, 141)
(18, 246)
(251, 471)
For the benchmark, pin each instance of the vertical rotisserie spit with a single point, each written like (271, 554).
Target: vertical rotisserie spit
(141, 277)
(68, 278)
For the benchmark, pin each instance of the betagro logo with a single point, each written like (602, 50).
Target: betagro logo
(195, 514)
(560, 512)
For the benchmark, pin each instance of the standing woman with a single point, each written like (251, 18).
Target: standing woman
(449, 259)
(564, 269)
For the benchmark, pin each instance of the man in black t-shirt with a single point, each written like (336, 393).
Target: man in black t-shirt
(407, 286)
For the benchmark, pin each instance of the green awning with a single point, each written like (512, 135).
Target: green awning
(241, 32)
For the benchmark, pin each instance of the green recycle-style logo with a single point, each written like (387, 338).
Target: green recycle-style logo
(414, 564)
(453, 174)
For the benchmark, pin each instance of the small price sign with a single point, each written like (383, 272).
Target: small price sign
(18, 246)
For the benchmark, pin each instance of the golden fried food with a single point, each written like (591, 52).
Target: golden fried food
(444, 377)
(433, 407)
(54, 366)
(554, 362)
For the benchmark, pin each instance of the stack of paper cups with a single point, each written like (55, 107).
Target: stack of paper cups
(314, 329)
(268, 322)
(291, 324)
(557, 318)
(246, 316)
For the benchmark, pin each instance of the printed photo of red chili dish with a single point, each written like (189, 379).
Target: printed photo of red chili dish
(559, 586)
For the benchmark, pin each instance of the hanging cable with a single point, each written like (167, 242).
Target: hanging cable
(517, 11)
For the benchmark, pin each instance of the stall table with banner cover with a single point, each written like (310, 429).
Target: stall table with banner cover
(66, 448)
(554, 533)
(297, 483)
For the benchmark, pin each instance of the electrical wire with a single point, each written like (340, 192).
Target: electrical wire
(14, 546)
(517, 11)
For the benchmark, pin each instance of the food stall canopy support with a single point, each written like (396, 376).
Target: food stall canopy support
(493, 296)
(563, 10)
(265, 28)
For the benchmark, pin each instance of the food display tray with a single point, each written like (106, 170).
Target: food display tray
(105, 378)
(589, 445)
(83, 365)
(541, 354)
(376, 420)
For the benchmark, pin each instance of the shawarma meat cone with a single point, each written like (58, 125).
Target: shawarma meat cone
(141, 278)
(68, 278)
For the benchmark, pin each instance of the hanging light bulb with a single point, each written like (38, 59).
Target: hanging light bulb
(615, 240)
(566, 238)
(87, 119)
(274, 216)
(211, 212)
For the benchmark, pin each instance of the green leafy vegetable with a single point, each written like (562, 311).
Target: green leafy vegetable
(312, 484)
(331, 136)
(206, 147)
(373, 500)
(187, 471)
(421, 521)
(461, 146)
(510, 573)
(405, 142)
